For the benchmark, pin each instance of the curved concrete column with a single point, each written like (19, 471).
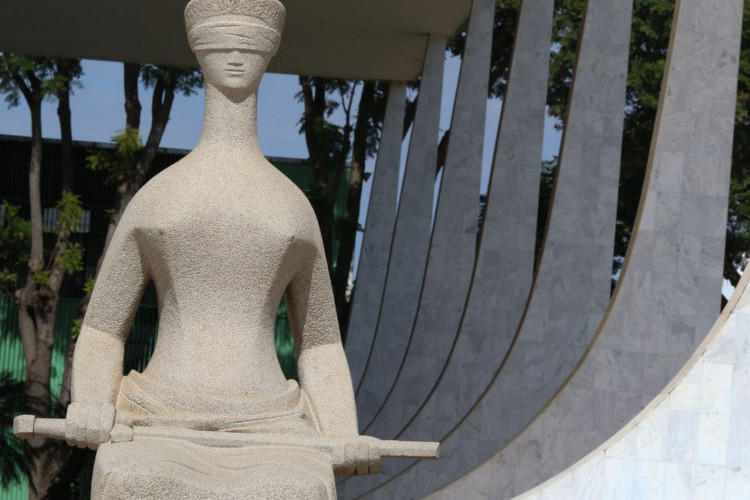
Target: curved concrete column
(454, 235)
(572, 286)
(670, 288)
(692, 441)
(411, 236)
(376, 243)
(505, 261)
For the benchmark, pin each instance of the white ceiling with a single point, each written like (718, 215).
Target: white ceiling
(368, 39)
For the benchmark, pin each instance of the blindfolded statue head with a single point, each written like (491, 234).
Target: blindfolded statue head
(234, 40)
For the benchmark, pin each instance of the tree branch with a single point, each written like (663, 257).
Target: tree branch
(164, 94)
(131, 73)
(21, 84)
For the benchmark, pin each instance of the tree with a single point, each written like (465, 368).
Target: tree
(37, 289)
(331, 147)
(69, 72)
(327, 144)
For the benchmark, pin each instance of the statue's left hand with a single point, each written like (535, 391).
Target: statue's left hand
(360, 456)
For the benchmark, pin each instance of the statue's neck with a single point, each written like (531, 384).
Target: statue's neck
(230, 123)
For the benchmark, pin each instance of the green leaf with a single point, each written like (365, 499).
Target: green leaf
(128, 141)
(75, 330)
(6, 275)
(99, 160)
(41, 276)
(71, 259)
(15, 237)
(71, 212)
(37, 74)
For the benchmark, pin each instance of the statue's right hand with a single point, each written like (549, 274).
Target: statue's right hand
(88, 423)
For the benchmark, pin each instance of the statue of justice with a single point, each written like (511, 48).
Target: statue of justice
(223, 235)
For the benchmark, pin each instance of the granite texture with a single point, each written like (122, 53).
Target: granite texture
(376, 243)
(505, 260)
(454, 235)
(572, 286)
(411, 237)
(668, 295)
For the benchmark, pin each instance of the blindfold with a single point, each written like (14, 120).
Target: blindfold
(233, 34)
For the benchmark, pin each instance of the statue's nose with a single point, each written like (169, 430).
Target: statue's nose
(235, 58)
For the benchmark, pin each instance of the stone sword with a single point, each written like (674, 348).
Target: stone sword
(343, 451)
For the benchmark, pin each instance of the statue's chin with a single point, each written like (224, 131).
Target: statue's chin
(236, 91)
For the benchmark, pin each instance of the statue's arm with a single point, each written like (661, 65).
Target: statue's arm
(99, 354)
(321, 363)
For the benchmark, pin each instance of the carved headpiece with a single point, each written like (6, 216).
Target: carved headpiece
(235, 24)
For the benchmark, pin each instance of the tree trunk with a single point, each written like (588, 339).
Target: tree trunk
(68, 184)
(314, 128)
(161, 108)
(349, 225)
(68, 172)
(37, 307)
(46, 463)
(46, 457)
(131, 72)
(36, 258)
(66, 132)
(29, 297)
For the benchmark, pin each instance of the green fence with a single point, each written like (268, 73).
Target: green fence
(138, 349)
(12, 359)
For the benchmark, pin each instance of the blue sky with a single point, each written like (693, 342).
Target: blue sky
(98, 113)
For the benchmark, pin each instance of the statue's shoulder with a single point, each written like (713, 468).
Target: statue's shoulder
(163, 183)
(290, 193)
(151, 196)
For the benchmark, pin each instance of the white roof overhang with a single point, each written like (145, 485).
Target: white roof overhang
(365, 39)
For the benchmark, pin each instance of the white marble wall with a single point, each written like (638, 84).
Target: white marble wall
(692, 441)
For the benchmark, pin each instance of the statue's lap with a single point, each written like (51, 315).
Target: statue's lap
(161, 468)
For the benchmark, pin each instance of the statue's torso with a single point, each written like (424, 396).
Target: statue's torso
(221, 241)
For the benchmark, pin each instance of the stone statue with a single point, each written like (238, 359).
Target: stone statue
(223, 235)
